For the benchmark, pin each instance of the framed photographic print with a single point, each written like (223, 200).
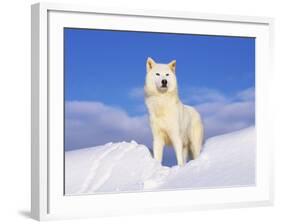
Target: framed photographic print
(148, 111)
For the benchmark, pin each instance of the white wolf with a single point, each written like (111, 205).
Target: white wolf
(172, 122)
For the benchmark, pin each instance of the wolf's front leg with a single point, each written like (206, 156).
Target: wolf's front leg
(178, 147)
(185, 153)
(158, 145)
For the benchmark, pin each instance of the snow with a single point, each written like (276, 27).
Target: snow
(226, 161)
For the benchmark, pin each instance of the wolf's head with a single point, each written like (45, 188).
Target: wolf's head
(160, 78)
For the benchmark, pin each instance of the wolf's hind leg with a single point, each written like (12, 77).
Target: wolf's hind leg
(196, 139)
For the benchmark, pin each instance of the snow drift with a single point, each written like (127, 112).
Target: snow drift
(226, 160)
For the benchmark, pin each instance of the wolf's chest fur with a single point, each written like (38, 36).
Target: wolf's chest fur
(162, 110)
(163, 115)
(162, 106)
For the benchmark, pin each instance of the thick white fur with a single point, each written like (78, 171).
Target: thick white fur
(172, 122)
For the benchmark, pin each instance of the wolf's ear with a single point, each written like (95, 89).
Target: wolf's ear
(149, 64)
(172, 65)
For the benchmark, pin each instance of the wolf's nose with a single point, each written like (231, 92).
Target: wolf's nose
(164, 82)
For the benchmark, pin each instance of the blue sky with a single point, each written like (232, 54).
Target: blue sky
(105, 72)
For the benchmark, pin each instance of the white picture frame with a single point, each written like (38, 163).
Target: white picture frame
(47, 198)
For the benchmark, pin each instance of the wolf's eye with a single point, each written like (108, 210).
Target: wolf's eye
(157, 74)
(167, 74)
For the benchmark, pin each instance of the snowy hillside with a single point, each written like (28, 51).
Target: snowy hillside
(226, 160)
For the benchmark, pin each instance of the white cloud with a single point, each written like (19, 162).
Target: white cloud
(94, 123)
(228, 118)
(232, 114)
(136, 93)
(247, 94)
(197, 95)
